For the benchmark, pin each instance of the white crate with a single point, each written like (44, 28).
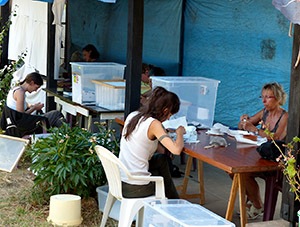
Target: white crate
(83, 90)
(180, 213)
(197, 96)
(110, 94)
(102, 192)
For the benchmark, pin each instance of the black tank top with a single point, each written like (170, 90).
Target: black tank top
(264, 118)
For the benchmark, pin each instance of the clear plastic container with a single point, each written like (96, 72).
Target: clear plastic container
(197, 96)
(180, 213)
(83, 90)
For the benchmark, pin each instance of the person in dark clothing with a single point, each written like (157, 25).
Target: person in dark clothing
(16, 100)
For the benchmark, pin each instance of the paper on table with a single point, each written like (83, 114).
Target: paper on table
(239, 135)
(223, 128)
(191, 134)
(242, 139)
(175, 123)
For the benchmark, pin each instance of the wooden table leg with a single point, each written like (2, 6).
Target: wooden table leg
(242, 198)
(186, 176)
(232, 197)
(183, 187)
(237, 184)
(201, 182)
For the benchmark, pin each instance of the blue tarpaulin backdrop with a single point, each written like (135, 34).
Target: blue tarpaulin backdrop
(244, 44)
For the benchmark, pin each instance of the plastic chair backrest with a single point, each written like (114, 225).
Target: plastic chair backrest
(112, 166)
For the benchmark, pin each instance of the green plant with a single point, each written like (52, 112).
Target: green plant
(6, 75)
(288, 162)
(65, 161)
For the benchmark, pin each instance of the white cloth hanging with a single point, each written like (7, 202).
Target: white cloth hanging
(58, 12)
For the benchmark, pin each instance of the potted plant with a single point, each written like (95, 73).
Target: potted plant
(65, 161)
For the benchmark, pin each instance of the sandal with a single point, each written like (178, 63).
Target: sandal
(254, 212)
(248, 205)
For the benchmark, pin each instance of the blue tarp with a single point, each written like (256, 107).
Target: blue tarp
(244, 44)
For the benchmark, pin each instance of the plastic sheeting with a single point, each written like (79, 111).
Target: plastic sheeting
(289, 8)
(3, 2)
(105, 26)
(244, 44)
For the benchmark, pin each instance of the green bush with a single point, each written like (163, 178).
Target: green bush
(65, 162)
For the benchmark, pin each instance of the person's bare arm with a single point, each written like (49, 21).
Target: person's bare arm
(249, 123)
(281, 131)
(156, 130)
(19, 96)
(37, 106)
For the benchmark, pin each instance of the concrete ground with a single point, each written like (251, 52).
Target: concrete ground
(217, 189)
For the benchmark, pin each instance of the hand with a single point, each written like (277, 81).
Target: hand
(248, 126)
(38, 106)
(244, 117)
(180, 130)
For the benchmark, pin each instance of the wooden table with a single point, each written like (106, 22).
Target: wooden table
(236, 159)
(87, 111)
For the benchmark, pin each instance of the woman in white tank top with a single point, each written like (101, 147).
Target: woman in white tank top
(142, 131)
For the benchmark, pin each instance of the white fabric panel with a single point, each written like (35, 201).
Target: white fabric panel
(38, 47)
(28, 31)
(58, 37)
(58, 10)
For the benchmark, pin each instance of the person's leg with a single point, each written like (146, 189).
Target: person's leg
(252, 191)
(55, 118)
(158, 166)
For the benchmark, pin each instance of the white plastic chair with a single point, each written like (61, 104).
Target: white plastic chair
(129, 206)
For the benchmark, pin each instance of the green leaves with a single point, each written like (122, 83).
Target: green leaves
(65, 162)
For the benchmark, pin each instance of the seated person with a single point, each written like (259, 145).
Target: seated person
(16, 99)
(142, 132)
(145, 78)
(76, 57)
(90, 53)
(274, 118)
(147, 72)
(156, 71)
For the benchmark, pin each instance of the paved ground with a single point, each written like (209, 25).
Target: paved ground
(217, 188)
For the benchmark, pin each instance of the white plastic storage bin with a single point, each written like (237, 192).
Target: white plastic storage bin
(180, 213)
(83, 90)
(110, 94)
(102, 192)
(197, 96)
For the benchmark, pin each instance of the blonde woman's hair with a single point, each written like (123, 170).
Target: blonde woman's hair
(278, 91)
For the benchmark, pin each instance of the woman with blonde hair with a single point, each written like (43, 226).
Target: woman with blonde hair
(273, 118)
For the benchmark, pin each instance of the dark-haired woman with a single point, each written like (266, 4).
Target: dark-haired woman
(90, 53)
(142, 131)
(16, 99)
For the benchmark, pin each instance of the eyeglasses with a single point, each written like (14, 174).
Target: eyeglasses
(267, 97)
